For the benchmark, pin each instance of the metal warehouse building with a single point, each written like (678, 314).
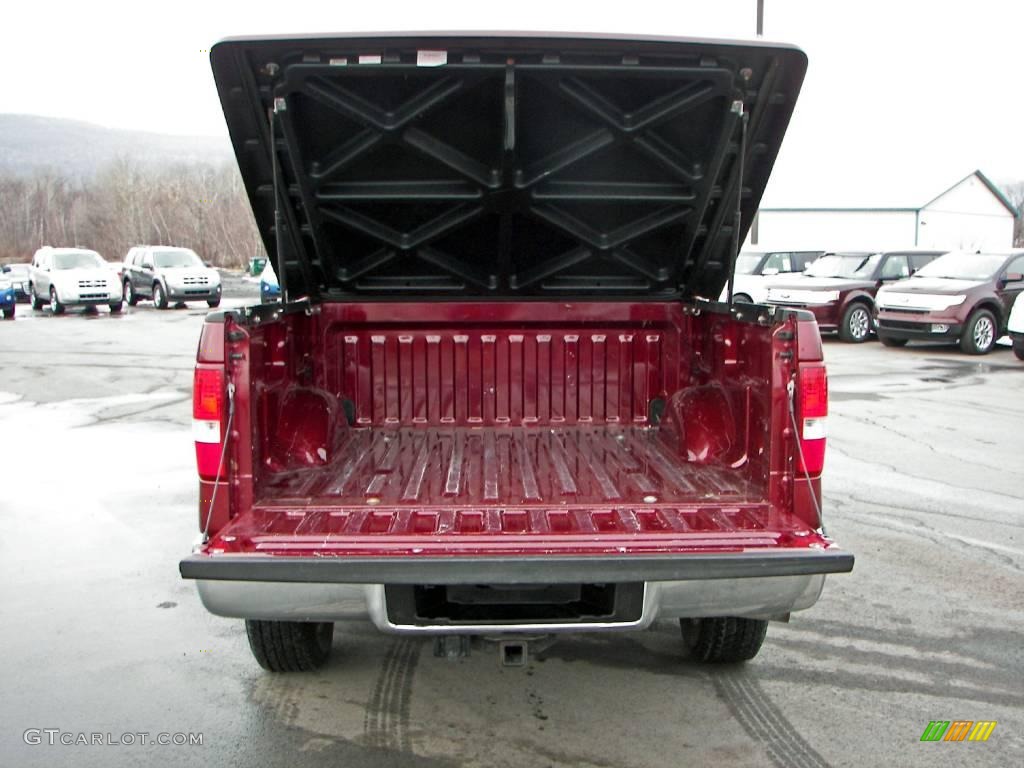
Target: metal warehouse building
(972, 214)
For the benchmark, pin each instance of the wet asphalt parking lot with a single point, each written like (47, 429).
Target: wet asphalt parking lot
(925, 483)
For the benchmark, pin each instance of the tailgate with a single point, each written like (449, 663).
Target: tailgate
(514, 546)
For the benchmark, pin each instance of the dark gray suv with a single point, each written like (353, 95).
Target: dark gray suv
(169, 275)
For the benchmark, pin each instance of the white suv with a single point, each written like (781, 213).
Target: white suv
(168, 275)
(757, 270)
(66, 277)
(1015, 326)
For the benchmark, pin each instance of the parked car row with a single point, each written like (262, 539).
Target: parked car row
(839, 288)
(909, 295)
(59, 278)
(900, 296)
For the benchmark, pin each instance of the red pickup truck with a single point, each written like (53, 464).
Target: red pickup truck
(498, 398)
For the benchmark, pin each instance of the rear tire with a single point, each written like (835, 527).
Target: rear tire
(116, 306)
(34, 300)
(290, 646)
(159, 297)
(980, 333)
(889, 341)
(855, 326)
(1018, 349)
(212, 303)
(723, 640)
(55, 306)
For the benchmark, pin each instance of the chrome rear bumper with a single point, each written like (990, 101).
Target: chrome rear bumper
(752, 597)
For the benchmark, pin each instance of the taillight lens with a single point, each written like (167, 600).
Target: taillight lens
(208, 397)
(812, 415)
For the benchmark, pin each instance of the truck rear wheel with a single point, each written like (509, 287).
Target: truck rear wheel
(290, 646)
(723, 640)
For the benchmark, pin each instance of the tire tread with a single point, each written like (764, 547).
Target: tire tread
(286, 646)
(727, 639)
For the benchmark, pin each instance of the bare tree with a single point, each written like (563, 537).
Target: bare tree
(1015, 194)
(203, 207)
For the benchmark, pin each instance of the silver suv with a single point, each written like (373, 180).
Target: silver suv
(169, 275)
(72, 277)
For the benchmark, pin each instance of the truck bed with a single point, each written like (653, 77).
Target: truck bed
(510, 444)
(503, 467)
(462, 430)
(495, 490)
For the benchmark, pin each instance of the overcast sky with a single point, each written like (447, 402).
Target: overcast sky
(902, 98)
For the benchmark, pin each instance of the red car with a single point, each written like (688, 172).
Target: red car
(963, 297)
(839, 288)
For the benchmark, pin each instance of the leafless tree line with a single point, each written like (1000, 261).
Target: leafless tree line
(1015, 194)
(202, 207)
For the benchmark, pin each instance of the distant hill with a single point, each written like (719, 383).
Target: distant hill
(31, 142)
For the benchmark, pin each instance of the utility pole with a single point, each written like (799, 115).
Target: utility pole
(760, 18)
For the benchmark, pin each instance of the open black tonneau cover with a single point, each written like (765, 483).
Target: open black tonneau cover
(504, 166)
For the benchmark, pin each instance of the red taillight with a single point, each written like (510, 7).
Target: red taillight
(208, 394)
(208, 398)
(811, 416)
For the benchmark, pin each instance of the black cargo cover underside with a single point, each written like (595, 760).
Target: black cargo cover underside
(504, 167)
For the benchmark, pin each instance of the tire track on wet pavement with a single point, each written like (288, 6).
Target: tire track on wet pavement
(386, 722)
(764, 722)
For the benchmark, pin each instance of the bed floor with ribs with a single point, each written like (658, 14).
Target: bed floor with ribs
(501, 467)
